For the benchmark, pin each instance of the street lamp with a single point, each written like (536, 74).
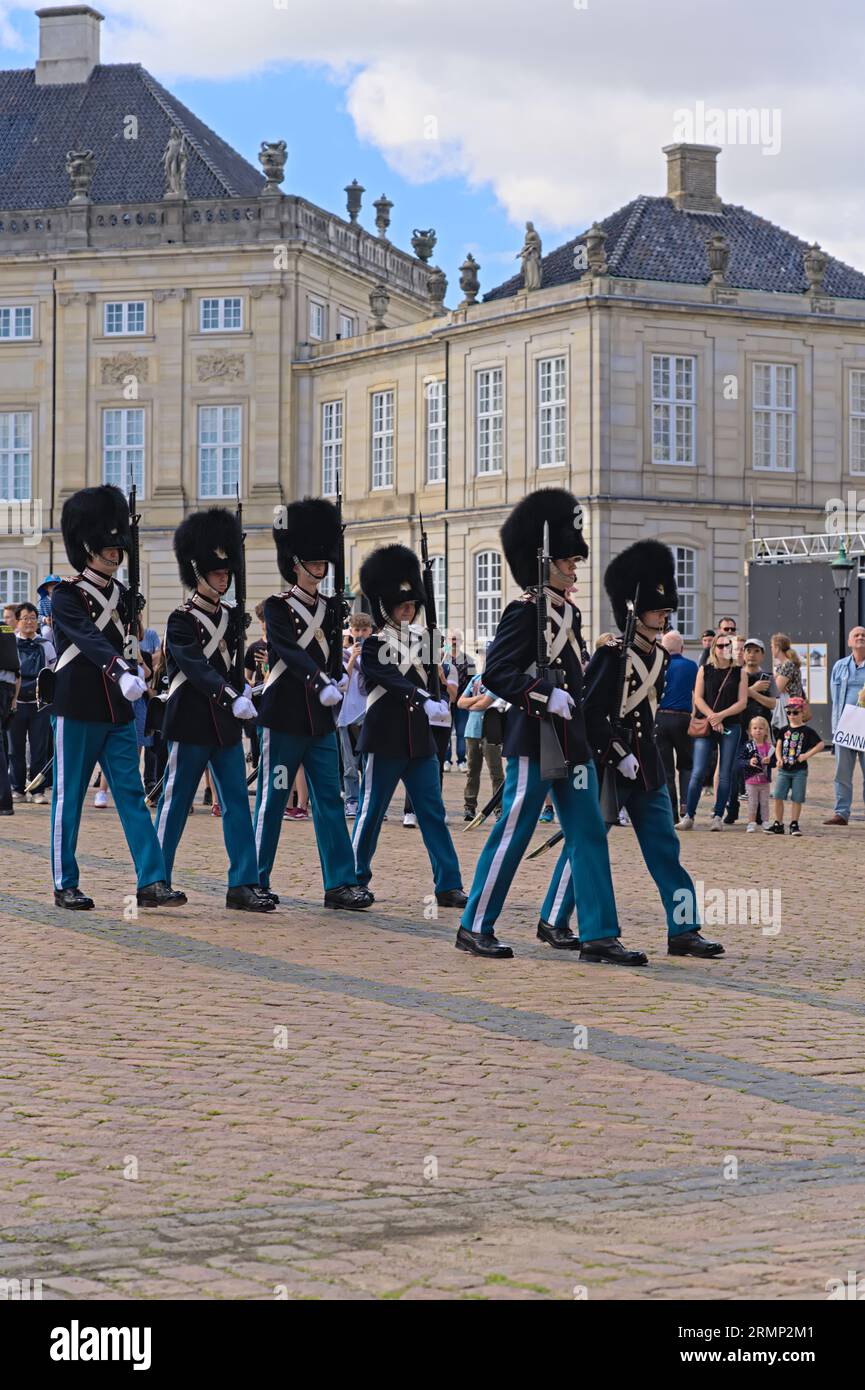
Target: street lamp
(842, 568)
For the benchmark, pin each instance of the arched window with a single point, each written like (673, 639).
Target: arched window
(488, 594)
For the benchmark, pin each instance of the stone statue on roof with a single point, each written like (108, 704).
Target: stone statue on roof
(174, 163)
(531, 259)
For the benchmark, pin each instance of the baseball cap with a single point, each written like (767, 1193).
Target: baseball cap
(797, 703)
(755, 642)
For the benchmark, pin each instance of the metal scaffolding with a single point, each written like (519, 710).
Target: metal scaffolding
(821, 546)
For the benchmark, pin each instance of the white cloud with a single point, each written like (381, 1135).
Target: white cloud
(561, 111)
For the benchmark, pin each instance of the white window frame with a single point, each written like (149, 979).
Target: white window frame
(12, 320)
(440, 593)
(382, 413)
(347, 324)
(551, 389)
(15, 446)
(8, 576)
(126, 306)
(489, 421)
(130, 449)
(332, 415)
(435, 431)
(205, 307)
(775, 419)
(684, 620)
(856, 398)
(674, 410)
(227, 450)
(316, 309)
(488, 594)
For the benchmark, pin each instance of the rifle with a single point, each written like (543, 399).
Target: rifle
(430, 611)
(134, 598)
(335, 661)
(553, 764)
(242, 619)
(609, 795)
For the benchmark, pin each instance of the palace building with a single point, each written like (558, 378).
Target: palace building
(167, 312)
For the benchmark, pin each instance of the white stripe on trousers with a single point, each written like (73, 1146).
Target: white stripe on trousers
(504, 845)
(367, 798)
(169, 792)
(264, 773)
(560, 891)
(59, 782)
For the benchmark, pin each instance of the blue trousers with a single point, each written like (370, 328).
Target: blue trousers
(652, 818)
(578, 807)
(420, 777)
(280, 757)
(728, 748)
(845, 764)
(183, 772)
(78, 746)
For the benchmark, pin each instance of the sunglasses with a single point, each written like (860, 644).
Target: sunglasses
(722, 646)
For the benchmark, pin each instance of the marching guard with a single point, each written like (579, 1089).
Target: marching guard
(396, 735)
(643, 576)
(299, 701)
(544, 703)
(91, 690)
(204, 711)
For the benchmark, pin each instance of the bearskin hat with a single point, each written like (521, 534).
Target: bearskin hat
(94, 519)
(307, 530)
(646, 573)
(523, 532)
(206, 541)
(391, 575)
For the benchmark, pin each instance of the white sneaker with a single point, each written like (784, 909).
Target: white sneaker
(39, 799)
(410, 819)
(686, 823)
(716, 823)
(447, 767)
(100, 800)
(18, 796)
(752, 826)
(462, 767)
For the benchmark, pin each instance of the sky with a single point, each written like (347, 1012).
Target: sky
(476, 115)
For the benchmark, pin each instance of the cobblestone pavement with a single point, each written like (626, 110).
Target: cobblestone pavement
(209, 1105)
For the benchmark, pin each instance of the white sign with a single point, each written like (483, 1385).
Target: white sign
(851, 729)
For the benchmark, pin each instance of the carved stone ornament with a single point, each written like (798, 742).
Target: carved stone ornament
(379, 299)
(596, 250)
(437, 288)
(113, 371)
(174, 162)
(354, 194)
(470, 280)
(272, 157)
(76, 297)
(718, 254)
(530, 255)
(815, 262)
(260, 291)
(220, 366)
(382, 207)
(79, 167)
(423, 243)
(175, 293)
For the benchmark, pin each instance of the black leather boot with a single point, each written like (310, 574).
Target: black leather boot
(454, 897)
(560, 937)
(73, 898)
(482, 944)
(610, 951)
(159, 894)
(350, 898)
(248, 897)
(691, 943)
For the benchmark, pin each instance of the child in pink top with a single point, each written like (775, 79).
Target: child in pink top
(755, 759)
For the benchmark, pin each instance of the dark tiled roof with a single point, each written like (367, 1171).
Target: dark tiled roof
(38, 125)
(649, 239)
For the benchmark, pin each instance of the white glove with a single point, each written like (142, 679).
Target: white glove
(342, 684)
(629, 767)
(330, 695)
(243, 708)
(438, 712)
(132, 687)
(501, 705)
(561, 703)
(247, 691)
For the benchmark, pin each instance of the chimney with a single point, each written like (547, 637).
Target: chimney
(691, 175)
(68, 44)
